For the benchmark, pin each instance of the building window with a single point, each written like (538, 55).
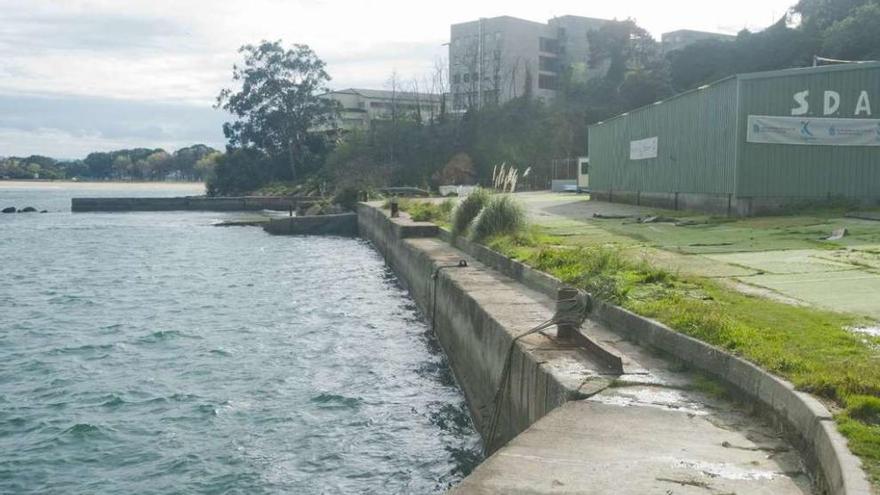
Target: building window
(456, 78)
(548, 82)
(548, 64)
(467, 77)
(549, 45)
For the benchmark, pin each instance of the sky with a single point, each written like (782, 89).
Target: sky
(94, 75)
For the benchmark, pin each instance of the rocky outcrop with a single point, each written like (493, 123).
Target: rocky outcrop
(8, 209)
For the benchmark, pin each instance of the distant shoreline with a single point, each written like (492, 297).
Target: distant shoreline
(23, 183)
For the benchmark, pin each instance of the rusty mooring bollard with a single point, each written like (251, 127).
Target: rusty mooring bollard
(395, 208)
(566, 302)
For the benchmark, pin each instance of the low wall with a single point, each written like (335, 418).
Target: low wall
(192, 203)
(345, 224)
(810, 424)
(476, 317)
(719, 204)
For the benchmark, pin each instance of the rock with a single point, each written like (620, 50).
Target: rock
(44, 211)
(9, 209)
(28, 209)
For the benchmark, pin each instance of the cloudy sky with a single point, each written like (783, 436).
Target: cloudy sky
(84, 75)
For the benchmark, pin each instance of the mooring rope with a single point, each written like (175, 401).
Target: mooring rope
(434, 277)
(572, 311)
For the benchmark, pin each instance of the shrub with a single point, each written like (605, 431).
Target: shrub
(467, 210)
(347, 197)
(501, 215)
(424, 211)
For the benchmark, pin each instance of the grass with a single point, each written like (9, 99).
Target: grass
(501, 215)
(467, 211)
(808, 346)
(425, 211)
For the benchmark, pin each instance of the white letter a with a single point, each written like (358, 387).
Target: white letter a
(864, 104)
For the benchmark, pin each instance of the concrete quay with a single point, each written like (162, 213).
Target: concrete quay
(188, 203)
(568, 425)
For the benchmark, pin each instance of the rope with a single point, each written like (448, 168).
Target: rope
(572, 311)
(434, 277)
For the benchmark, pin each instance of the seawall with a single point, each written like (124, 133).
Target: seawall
(343, 224)
(476, 319)
(189, 203)
(571, 426)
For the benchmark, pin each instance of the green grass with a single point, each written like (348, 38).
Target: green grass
(467, 210)
(425, 211)
(501, 215)
(808, 346)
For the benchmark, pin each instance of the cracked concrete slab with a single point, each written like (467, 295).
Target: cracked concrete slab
(591, 447)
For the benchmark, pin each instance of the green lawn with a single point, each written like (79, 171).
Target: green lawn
(811, 347)
(675, 274)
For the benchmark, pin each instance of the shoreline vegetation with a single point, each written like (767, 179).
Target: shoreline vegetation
(813, 348)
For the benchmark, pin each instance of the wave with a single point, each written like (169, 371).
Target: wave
(334, 401)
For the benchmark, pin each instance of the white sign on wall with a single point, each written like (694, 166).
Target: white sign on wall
(643, 149)
(816, 131)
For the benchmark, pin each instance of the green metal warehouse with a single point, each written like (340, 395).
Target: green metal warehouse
(747, 144)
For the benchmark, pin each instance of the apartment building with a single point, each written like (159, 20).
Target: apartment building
(493, 60)
(676, 40)
(360, 107)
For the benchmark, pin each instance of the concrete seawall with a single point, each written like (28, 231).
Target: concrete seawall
(470, 311)
(568, 425)
(343, 224)
(191, 203)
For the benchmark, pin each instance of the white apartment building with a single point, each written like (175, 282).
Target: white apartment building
(360, 107)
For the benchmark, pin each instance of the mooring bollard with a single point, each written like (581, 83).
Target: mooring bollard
(395, 211)
(566, 305)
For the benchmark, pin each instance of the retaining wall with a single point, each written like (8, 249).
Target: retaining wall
(194, 203)
(720, 204)
(476, 314)
(344, 224)
(810, 424)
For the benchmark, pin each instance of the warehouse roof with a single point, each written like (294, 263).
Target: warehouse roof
(795, 71)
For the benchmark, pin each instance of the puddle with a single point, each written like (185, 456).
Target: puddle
(662, 398)
(726, 471)
(870, 331)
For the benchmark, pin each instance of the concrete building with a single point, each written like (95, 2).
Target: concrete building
(361, 107)
(748, 144)
(676, 40)
(493, 60)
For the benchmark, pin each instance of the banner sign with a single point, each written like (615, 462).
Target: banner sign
(643, 149)
(815, 131)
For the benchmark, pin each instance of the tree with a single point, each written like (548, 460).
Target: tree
(855, 37)
(100, 164)
(277, 103)
(204, 168)
(238, 172)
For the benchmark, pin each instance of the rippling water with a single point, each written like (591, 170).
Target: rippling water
(154, 353)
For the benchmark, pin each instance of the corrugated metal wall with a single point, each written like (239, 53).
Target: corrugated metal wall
(696, 134)
(776, 170)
